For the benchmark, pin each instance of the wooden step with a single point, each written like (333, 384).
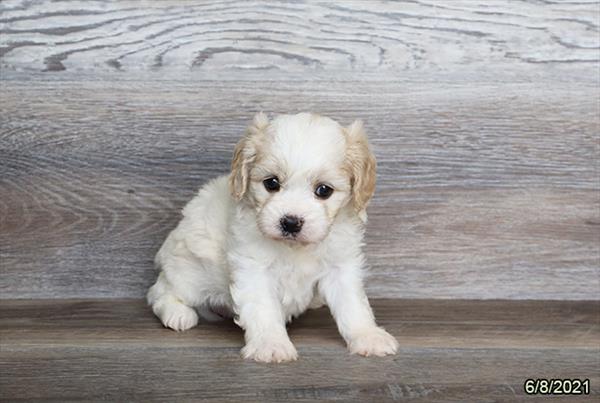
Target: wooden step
(451, 350)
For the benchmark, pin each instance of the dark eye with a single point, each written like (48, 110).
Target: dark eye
(323, 191)
(272, 184)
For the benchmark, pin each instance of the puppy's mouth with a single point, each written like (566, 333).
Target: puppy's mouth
(292, 238)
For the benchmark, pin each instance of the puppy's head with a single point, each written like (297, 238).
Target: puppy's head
(298, 171)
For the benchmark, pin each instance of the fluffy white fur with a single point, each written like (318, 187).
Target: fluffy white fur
(230, 257)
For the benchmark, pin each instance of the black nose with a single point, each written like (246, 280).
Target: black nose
(291, 224)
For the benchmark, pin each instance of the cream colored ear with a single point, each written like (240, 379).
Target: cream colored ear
(362, 164)
(244, 154)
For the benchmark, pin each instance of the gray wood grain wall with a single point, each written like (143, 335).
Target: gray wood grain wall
(484, 116)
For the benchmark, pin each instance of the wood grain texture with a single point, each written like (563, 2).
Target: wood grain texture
(484, 117)
(487, 192)
(254, 39)
(450, 351)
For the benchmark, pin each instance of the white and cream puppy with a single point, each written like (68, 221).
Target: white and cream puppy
(281, 234)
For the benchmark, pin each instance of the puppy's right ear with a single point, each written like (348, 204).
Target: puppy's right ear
(245, 154)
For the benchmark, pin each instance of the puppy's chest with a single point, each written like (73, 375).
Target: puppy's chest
(296, 280)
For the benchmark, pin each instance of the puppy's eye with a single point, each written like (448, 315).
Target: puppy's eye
(272, 184)
(323, 191)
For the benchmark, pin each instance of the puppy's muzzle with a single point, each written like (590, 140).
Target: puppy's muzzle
(291, 224)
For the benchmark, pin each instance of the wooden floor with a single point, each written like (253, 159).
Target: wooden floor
(451, 350)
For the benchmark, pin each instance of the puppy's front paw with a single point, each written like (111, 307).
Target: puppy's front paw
(374, 341)
(179, 317)
(270, 350)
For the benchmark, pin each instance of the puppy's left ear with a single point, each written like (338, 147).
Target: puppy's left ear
(363, 167)
(245, 154)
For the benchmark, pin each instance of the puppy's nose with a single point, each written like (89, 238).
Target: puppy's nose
(291, 224)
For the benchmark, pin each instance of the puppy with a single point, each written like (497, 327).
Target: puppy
(281, 234)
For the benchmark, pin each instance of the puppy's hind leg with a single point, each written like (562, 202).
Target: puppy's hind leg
(170, 309)
(208, 314)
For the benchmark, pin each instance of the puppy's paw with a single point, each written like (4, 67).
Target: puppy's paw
(373, 341)
(179, 317)
(270, 350)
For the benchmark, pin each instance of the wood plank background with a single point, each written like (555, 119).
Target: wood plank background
(484, 116)
(243, 39)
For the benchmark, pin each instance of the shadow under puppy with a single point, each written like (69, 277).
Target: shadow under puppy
(281, 234)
